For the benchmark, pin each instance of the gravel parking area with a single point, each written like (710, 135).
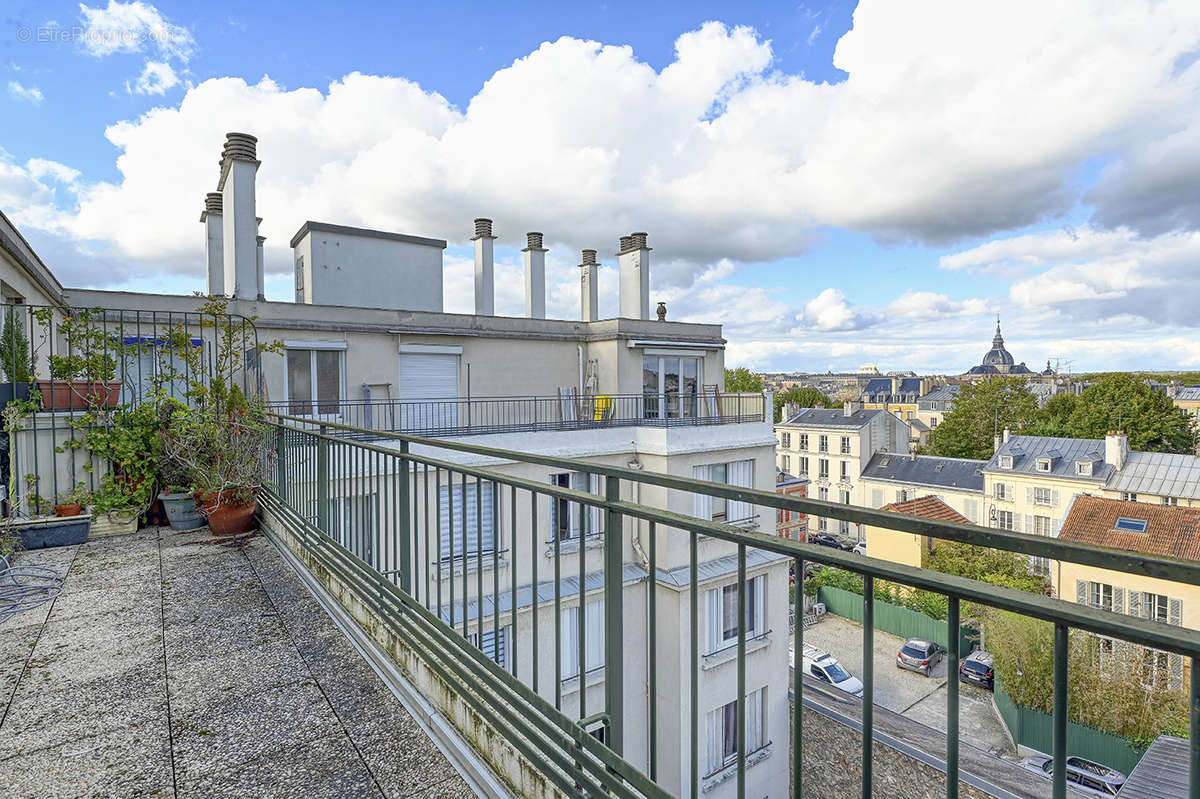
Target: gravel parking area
(913, 695)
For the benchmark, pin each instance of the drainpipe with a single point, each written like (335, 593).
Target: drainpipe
(580, 348)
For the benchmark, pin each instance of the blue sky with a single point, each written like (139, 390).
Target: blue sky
(837, 184)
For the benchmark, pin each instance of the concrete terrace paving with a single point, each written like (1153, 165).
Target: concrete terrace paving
(170, 666)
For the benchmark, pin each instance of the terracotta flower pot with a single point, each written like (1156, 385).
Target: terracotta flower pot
(60, 395)
(226, 515)
(74, 509)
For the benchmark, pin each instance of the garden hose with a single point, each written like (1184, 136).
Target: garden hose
(26, 587)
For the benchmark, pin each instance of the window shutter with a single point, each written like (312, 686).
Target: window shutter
(1054, 497)
(1029, 527)
(595, 634)
(876, 497)
(1118, 600)
(1011, 493)
(716, 739)
(714, 619)
(1029, 495)
(569, 643)
(1016, 518)
(754, 720)
(899, 495)
(1175, 666)
(1081, 592)
(1135, 603)
(1054, 528)
(701, 503)
(760, 610)
(1175, 611)
(596, 514)
(971, 510)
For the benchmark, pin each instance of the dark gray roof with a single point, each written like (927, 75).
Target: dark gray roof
(832, 417)
(1162, 773)
(883, 385)
(1066, 451)
(958, 473)
(1188, 394)
(942, 394)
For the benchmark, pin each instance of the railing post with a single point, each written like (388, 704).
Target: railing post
(323, 481)
(1194, 739)
(405, 531)
(614, 660)
(952, 639)
(1061, 640)
(280, 463)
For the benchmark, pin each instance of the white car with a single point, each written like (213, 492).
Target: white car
(824, 667)
(860, 548)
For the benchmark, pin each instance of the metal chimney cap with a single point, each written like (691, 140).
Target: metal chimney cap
(639, 240)
(626, 244)
(589, 258)
(213, 202)
(483, 228)
(533, 241)
(240, 145)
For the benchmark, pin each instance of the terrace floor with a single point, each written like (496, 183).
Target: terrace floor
(171, 666)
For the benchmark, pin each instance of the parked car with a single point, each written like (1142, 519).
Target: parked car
(917, 654)
(1085, 776)
(823, 666)
(977, 668)
(860, 548)
(826, 540)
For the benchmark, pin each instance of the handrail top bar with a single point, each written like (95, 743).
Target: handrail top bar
(1157, 566)
(746, 395)
(116, 314)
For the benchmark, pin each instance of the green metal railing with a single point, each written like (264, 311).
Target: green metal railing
(413, 524)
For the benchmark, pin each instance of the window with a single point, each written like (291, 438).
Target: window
(845, 470)
(1156, 668)
(933, 422)
(1000, 490)
(495, 644)
(785, 463)
(823, 469)
(1131, 525)
(823, 525)
(459, 539)
(1006, 461)
(823, 444)
(1004, 520)
(737, 473)
(1083, 468)
(1154, 607)
(802, 465)
(723, 733)
(1042, 496)
(908, 416)
(593, 642)
(1041, 525)
(722, 613)
(845, 445)
(1127, 496)
(786, 440)
(804, 441)
(843, 527)
(671, 387)
(1170, 501)
(1100, 595)
(314, 381)
(823, 493)
(564, 515)
(844, 497)
(1043, 464)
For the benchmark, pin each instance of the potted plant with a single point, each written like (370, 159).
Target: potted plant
(15, 359)
(25, 526)
(71, 503)
(124, 437)
(84, 377)
(116, 506)
(177, 497)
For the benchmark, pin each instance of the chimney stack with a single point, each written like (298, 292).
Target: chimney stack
(633, 261)
(535, 276)
(1116, 449)
(996, 442)
(239, 229)
(260, 281)
(485, 270)
(588, 289)
(213, 243)
(1006, 434)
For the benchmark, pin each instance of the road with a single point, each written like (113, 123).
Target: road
(909, 694)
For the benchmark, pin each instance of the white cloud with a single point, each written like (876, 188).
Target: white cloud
(829, 311)
(930, 305)
(133, 28)
(31, 94)
(156, 78)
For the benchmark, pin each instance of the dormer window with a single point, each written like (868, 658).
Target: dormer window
(1083, 468)
(1043, 464)
(1006, 461)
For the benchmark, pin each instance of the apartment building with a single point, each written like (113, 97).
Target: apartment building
(909, 548)
(367, 343)
(831, 447)
(897, 395)
(933, 406)
(1187, 399)
(890, 478)
(791, 523)
(1143, 529)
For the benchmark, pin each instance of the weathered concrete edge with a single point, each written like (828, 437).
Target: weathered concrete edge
(494, 766)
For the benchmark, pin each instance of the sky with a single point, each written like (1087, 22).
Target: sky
(837, 185)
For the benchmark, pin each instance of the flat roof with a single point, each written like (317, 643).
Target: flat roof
(325, 227)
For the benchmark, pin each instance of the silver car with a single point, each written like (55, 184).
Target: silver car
(917, 654)
(1085, 776)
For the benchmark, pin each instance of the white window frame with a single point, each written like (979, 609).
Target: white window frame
(739, 474)
(722, 731)
(822, 468)
(1006, 461)
(1043, 496)
(593, 516)
(312, 348)
(786, 440)
(823, 444)
(845, 445)
(803, 442)
(786, 463)
(594, 644)
(802, 465)
(717, 601)
(1100, 595)
(1043, 464)
(1005, 520)
(1000, 491)
(1083, 468)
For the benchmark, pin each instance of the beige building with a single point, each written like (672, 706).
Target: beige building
(831, 447)
(909, 548)
(1138, 528)
(890, 478)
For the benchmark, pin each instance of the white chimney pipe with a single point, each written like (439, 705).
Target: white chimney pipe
(259, 276)
(535, 277)
(239, 166)
(214, 243)
(588, 289)
(485, 279)
(633, 261)
(1116, 449)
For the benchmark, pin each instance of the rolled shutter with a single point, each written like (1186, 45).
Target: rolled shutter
(701, 503)
(594, 644)
(1081, 592)
(596, 514)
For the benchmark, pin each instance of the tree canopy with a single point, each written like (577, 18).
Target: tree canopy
(982, 410)
(742, 380)
(803, 398)
(1124, 402)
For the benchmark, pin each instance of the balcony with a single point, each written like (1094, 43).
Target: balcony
(463, 416)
